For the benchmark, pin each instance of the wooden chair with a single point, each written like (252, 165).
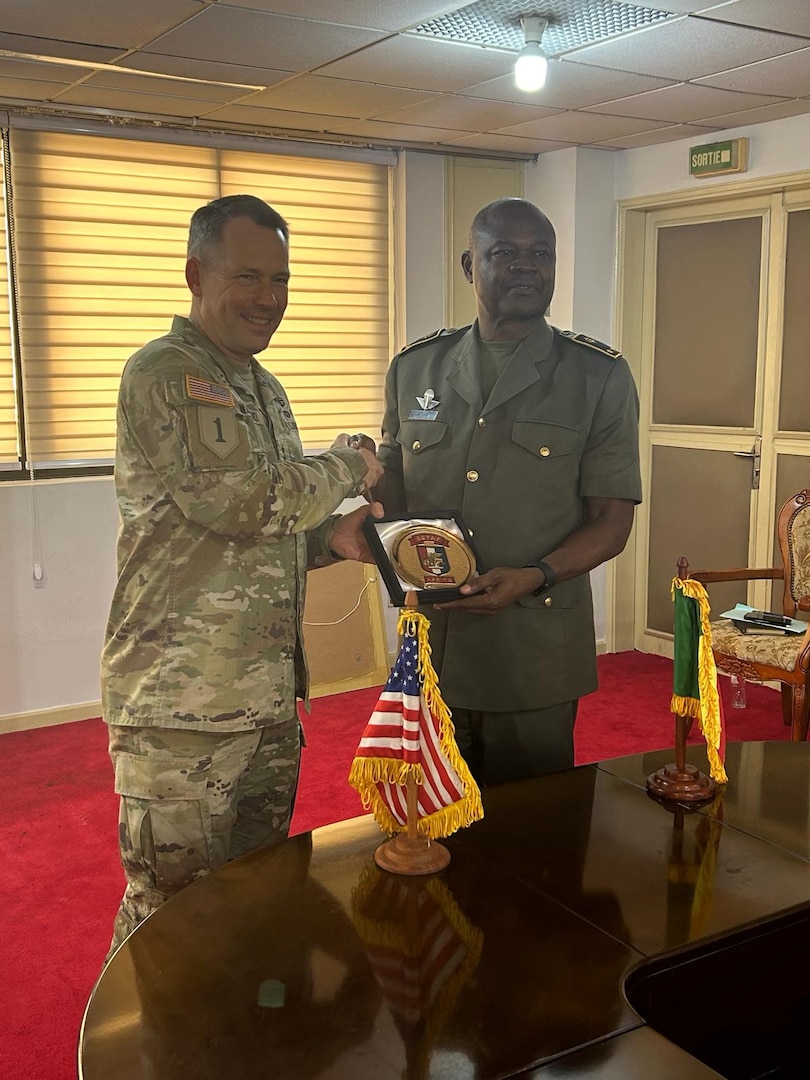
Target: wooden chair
(760, 658)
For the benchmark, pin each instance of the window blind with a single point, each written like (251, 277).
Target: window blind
(101, 230)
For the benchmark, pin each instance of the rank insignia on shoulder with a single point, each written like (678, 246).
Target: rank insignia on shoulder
(213, 393)
(434, 336)
(590, 343)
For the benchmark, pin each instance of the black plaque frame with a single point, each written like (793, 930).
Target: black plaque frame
(380, 532)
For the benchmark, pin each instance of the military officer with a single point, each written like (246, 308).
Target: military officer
(531, 433)
(220, 517)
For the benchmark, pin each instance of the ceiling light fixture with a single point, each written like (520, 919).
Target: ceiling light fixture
(531, 64)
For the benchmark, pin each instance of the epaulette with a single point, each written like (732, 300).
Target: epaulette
(434, 337)
(590, 343)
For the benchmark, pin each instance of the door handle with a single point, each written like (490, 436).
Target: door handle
(755, 455)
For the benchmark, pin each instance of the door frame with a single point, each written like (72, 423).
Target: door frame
(629, 304)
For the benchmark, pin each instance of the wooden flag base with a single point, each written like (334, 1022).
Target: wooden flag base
(681, 785)
(411, 855)
(679, 781)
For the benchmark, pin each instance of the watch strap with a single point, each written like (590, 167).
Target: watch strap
(551, 577)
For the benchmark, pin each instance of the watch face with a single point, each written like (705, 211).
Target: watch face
(430, 557)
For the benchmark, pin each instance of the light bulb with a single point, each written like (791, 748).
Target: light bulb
(530, 68)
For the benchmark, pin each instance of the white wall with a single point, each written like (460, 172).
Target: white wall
(50, 636)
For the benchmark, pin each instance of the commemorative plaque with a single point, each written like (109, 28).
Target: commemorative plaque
(430, 554)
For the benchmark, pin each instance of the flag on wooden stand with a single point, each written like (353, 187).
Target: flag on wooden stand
(694, 691)
(410, 734)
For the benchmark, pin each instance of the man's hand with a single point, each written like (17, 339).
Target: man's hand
(346, 538)
(495, 590)
(366, 447)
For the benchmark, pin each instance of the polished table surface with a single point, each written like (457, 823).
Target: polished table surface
(305, 961)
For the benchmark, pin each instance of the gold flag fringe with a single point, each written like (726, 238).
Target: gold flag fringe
(366, 773)
(707, 709)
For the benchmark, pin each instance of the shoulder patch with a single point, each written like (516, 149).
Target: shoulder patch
(590, 343)
(213, 393)
(435, 336)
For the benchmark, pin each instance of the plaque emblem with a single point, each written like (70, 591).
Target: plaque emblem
(430, 557)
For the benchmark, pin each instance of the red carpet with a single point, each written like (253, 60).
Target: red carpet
(62, 881)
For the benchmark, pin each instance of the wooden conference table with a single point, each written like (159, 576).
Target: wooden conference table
(581, 929)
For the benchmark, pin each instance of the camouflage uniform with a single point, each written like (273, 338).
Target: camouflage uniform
(220, 516)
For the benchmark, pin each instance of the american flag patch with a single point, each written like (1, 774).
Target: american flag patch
(214, 393)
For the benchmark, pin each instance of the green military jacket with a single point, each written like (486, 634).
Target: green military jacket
(560, 425)
(220, 515)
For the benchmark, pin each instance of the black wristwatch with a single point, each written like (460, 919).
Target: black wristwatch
(551, 577)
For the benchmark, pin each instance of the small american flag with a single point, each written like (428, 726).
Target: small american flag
(410, 733)
(201, 390)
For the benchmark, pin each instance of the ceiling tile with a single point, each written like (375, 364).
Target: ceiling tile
(270, 119)
(373, 129)
(789, 16)
(21, 90)
(26, 70)
(473, 114)
(313, 93)
(682, 103)
(509, 143)
(759, 116)
(205, 69)
(234, 35)
(43, 46)
(784, 76)
(423, 63)
(146, 84)
(128, 101)
(579, 127)
(90, 21)
(661, 135)
(686, 48)
(569, 86)
(398, 16)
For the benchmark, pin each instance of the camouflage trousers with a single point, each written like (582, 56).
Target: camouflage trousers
(191, 801)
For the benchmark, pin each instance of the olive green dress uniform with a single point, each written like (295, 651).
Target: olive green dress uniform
(560, 425)
(220, 516)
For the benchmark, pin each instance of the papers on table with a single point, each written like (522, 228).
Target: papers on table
(737, 616)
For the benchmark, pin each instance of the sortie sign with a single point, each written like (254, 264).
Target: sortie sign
(714, 159)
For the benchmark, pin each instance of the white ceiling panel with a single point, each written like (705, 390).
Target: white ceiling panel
(683, 103)
(238, 36)
(362, 71)
(424, 63)
(310, 93)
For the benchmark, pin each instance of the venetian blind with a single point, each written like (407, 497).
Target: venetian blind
(101, 229)
(8, 425)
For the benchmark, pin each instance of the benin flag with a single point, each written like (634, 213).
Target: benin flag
(694, 681)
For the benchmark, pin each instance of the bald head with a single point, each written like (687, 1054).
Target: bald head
(502, 210)
(510, 262)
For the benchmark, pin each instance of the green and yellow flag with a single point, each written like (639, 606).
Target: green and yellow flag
(694, 682)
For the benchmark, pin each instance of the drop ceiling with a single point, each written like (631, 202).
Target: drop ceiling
(414, 73)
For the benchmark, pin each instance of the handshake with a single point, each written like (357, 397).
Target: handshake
(368, 449)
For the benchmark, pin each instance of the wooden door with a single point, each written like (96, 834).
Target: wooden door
(725, 395)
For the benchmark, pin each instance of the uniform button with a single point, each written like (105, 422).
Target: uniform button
(482, 422)
(547, 601)
(472, 476)
(544, 451)
(416, 445)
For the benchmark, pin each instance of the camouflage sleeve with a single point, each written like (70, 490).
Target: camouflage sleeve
(233, 483)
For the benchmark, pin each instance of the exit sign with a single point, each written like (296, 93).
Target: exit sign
(715, 159)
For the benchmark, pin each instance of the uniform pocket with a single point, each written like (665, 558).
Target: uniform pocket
(545, 440)
(165, 821)
(419, 435)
